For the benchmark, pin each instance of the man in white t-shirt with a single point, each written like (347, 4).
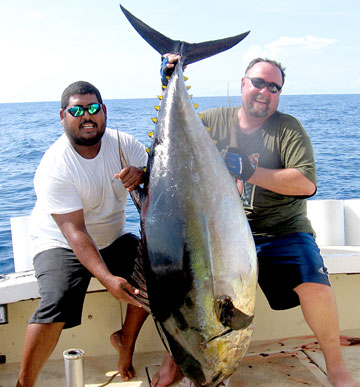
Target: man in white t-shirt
(77, 228)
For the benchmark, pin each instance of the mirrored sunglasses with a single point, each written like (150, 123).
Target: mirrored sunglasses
(78, 111)
(260, 83)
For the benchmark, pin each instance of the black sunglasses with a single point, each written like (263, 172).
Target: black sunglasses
(260, 83)
(78, 111)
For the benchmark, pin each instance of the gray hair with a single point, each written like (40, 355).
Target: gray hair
(272, 62)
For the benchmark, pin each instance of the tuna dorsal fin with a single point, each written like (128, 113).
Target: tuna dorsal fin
(190, 52)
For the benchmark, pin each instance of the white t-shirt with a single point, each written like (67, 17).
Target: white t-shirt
(66, 182)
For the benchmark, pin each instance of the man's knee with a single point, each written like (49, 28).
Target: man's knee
(309, 291)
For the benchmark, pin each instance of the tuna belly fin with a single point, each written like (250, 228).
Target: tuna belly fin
(190, 52)
(230, 316)
(137, 196)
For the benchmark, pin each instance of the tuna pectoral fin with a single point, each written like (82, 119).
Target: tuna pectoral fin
(229, 316)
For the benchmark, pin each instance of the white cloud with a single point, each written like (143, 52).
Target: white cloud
(36, 15)
(307, 42)
(281, 48)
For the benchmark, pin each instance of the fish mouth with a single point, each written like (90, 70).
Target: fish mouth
(218, 336)
(229, 315)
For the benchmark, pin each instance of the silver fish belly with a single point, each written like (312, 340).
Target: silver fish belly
(199, 256)
(202, 265)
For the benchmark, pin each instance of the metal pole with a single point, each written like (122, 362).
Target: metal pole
(74, 367)
(4, 314)
(4, 307)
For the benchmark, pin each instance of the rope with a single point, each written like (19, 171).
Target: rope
(110, 380)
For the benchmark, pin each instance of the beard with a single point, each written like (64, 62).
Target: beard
(256, 111)
(87, 141)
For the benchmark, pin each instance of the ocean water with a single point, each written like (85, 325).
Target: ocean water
(28, 129)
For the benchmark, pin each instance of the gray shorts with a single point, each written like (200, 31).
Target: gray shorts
(285, 262)
(63, 280)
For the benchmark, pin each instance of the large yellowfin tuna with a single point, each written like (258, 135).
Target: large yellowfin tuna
(200, 259)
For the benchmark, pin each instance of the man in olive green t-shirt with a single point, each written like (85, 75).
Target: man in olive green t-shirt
(280, 143)
(271, 158)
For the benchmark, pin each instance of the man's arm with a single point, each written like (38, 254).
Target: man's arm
(72, 225)
(288, 181)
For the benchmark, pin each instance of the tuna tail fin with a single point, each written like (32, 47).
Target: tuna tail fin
(190, 52)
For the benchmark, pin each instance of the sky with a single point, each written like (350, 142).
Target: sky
(46, 45)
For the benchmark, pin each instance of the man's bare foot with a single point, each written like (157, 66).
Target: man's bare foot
(125, 366)
(169, 372)
(341, 378)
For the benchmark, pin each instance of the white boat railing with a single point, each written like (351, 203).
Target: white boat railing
(336, 223)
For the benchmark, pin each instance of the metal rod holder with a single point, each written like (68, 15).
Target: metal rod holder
(74, 367)
(4, 307)
(4, 314)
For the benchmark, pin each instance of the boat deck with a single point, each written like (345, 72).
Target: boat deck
(280, 362)
(287, 362)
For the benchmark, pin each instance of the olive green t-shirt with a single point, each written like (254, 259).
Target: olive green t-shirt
(280, 143)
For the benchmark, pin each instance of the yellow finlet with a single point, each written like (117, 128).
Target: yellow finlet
(151, 134)
(186, 78)
(160, 97)
(207, 128)
(154, 120)
(196, 105)
(148, 150)
(188, 87)
(190, 95)
(157, 108)
(215, 142)
(201, 115)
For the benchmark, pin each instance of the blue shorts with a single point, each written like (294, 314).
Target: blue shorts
(285, 262)
(63, 280)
